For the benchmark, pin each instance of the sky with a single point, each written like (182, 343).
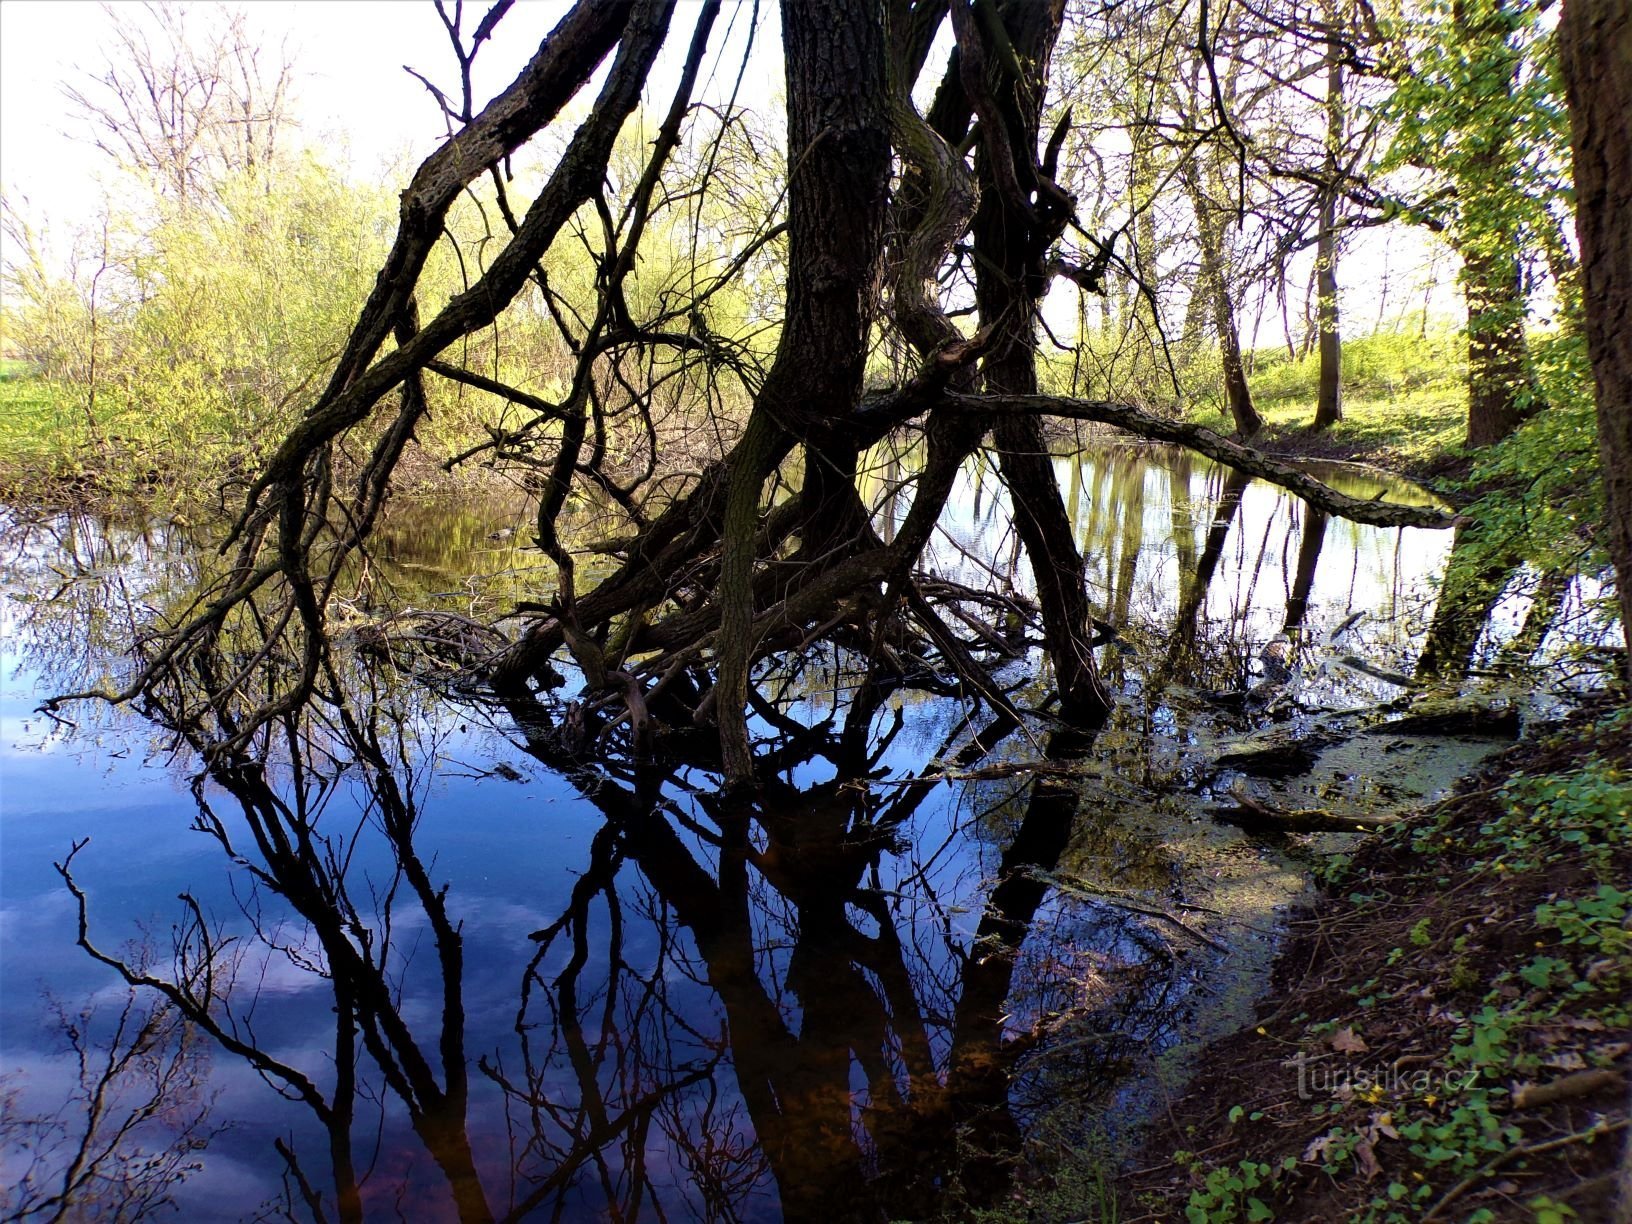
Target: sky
(350, 88)
(353, 100)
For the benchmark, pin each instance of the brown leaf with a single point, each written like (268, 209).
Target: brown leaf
(1367, 1159)
(1347, 1041)
(1382, 1124)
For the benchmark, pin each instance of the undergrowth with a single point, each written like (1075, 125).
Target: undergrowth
(1461, 1029)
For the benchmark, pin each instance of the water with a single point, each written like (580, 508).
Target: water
(595, 991)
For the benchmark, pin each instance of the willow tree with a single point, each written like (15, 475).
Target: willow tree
(761, 547)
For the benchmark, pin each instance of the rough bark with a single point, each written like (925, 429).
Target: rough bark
(1015, 223)
(1595, 41)
(839, 142)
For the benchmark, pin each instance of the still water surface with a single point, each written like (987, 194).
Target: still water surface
(600, 992)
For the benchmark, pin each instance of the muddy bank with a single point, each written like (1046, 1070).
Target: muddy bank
(1448, 1035)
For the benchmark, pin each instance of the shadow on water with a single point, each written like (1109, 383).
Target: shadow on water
(432, 959)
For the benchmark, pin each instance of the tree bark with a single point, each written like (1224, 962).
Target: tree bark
(838, 191)
(1498, 356)
(1595, 42)
(1013, 228)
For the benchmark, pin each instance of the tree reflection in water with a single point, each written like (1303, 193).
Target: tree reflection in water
(847, 991)
(860, 1054)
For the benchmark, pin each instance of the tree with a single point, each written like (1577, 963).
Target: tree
(1594, 37)
(1473, 109)
(1329, 403)
(764, 546)
(182, 109)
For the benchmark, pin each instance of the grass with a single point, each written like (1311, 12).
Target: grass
(39, 431)
(1411, 432)
(1405, 410)
(1404, 402)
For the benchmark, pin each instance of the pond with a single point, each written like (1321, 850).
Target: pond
(601, 991)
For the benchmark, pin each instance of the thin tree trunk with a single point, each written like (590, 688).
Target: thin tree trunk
(1595, 41)
(1329, 404)
(1214, 279)
(1009, 281)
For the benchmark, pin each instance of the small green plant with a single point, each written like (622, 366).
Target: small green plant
(1233, 1193)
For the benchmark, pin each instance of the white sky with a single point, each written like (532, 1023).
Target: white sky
(350, 85)
(353, 100)
(352, 97)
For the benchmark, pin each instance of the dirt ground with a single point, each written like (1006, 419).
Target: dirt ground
(1449, 1036)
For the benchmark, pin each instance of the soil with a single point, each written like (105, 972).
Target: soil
(1369, 979)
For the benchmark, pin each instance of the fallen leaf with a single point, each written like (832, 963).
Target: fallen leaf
(1347, 1041)
(1318, 1145)
(1367, 1159)
(1382, 1124)
(1582, 1024)
(1569, 1060)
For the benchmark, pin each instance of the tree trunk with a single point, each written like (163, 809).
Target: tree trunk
(1499, 393)
(1329, 404)
(1215, 283)
(838, 137)
(1011, 240)
(1595, 42)
(1498, 357)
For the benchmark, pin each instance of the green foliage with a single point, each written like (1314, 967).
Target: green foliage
(1542, 492)
(1581, 815)
(1230, 1193)
(1382, 366)
(190, 346)
(34, 419)
(1482, 109)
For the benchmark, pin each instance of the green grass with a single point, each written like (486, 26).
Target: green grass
(1407, 431)
(1404, 400)
(40, 431)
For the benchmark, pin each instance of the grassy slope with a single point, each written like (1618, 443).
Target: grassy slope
(1405, 404)
(1412, 433)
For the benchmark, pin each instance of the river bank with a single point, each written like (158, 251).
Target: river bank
(1449, 1032)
